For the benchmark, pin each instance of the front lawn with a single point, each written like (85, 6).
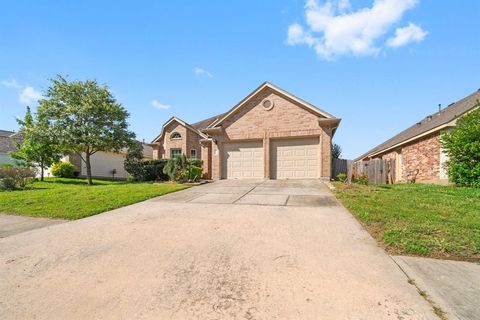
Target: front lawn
(418, 219)
(72, 199)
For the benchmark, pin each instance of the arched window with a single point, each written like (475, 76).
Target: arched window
(176, 136)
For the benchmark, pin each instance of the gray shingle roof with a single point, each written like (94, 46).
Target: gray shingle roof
(200, 125)
(429, 123)
(7, 141)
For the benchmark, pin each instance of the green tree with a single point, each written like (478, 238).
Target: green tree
(133, 162)
(462, 146)
(336, 151)
(39, 148)
(86, 118)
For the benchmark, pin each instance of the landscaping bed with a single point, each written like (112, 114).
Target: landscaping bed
(73, 199)
(418, 219)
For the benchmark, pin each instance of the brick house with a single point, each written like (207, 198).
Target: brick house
(417, 151)
(269, 134)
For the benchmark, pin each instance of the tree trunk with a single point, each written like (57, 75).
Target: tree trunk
(89, 169)
(41, 171)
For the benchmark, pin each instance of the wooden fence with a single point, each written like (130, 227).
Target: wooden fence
(377, 171)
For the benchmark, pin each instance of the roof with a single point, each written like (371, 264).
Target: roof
(8, 140)
(200, 125)
(429, 124)
(278, 90)
(6, 133)
(217, 119)
(187, 125)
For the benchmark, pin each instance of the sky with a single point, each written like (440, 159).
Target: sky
(379, 65)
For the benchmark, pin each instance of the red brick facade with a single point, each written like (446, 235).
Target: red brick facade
(420, 157)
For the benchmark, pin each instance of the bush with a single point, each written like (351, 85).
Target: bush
(342, 177)
(362, 179)
(194, 173)
(12, 178)
(462, 146)
(181, 169)
(152, 170)
(63, 170)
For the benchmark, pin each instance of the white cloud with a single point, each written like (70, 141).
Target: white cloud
(157, 104)
(334, 29)
(29, 96)
(12, 83)
(406, 35)
(202, 72)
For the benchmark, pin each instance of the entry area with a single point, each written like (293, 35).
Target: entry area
(295, 158)
(243, 160)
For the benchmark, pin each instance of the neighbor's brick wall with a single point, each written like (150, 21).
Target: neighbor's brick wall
(422, 154)
(286, 119)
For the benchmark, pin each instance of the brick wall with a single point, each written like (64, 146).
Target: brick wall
(189, 140)
(422, 155)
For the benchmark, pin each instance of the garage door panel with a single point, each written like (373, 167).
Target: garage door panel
(243, 160)
(295, 158)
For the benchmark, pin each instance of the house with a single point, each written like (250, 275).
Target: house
(8, 141)
(269, 134)
(417, 151)
(104, 164)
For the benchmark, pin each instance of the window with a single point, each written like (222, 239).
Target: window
(175, 153)
(193, 154)
(176, 136)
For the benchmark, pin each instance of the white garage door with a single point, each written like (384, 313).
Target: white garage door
(295, 158)
(243, 160)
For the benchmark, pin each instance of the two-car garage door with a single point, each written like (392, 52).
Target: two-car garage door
(289, 159)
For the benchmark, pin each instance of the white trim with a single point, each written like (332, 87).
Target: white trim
(278, 90)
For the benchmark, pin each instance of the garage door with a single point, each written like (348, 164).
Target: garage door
(295, 158)
(243, 160)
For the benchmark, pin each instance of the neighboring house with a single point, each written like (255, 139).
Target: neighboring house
(269, 134)
(8, 140)
(104, 163)
(417, 150)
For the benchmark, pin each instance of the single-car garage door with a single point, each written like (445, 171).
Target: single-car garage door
(295, 158)
(243, 160)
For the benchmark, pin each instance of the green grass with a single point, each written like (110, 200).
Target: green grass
(73, 199)
(418, 219)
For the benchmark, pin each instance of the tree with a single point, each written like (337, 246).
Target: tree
(39, 148)
(133, 163)
(336, 151)
(462, 146)
(86, 118)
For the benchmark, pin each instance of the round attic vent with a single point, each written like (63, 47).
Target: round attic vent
(267, 104)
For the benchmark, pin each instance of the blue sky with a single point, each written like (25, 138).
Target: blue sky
(379, 65)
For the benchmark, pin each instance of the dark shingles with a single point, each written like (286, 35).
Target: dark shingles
(430, 122)
(200, 125)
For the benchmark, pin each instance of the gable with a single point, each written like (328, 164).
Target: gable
(285, 115)
(176, 124)
(263, 88)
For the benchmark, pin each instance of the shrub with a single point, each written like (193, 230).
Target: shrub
(63, 170)
(462, 145)
(152, 170)
(194, 173)
(342, 177)
(12, 178)
(362, 179)
(181, 169)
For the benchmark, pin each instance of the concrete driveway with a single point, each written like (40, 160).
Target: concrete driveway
(196, 255)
